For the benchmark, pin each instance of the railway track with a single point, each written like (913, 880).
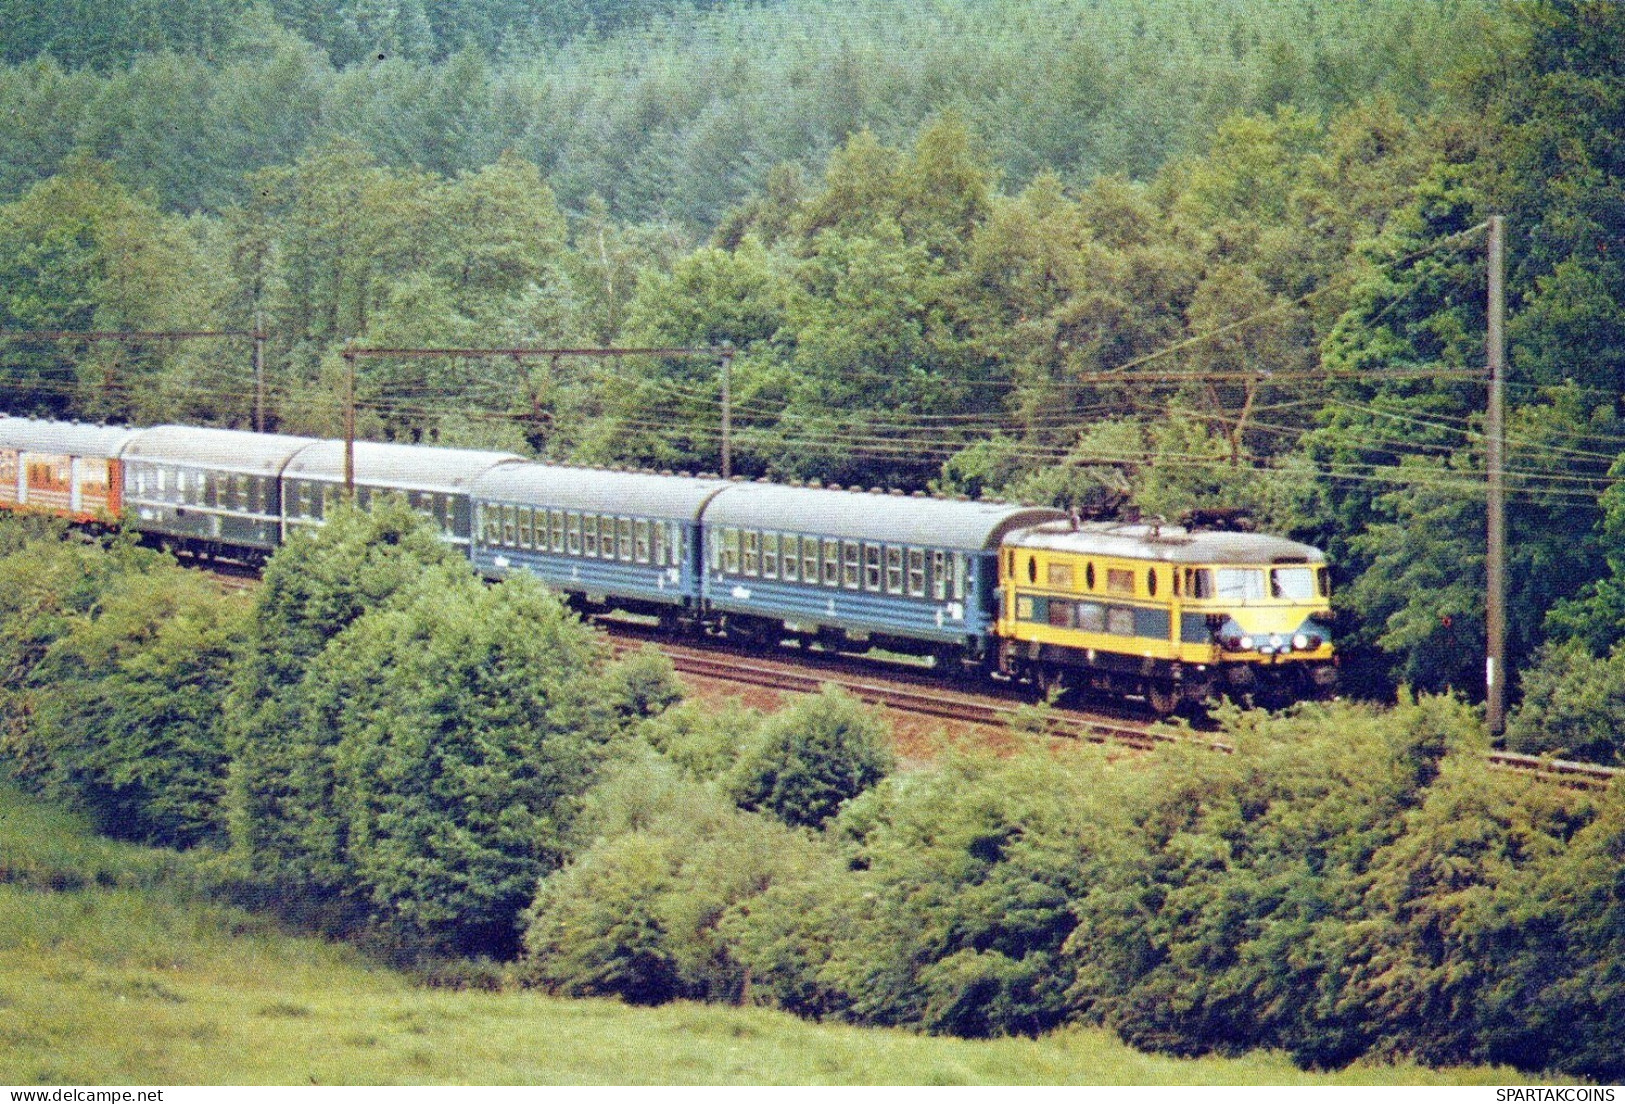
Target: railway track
(946, 704)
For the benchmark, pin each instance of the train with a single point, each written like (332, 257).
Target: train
(1169, 614)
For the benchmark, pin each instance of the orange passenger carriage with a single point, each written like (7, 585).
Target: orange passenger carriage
(64, 469)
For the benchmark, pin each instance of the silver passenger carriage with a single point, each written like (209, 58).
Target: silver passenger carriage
(623, 540)
(907, 573)
(436, 482)
(214, 491)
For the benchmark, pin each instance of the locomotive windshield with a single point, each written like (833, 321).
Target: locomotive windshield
(1297, 583)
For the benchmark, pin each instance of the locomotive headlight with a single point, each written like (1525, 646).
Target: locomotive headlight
(1246, 643)
(1301, 642)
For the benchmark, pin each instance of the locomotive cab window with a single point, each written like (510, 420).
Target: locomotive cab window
(1295, 583)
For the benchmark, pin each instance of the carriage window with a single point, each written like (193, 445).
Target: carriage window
(624, 527)
(572, 534)
(894, 571)
(1032, 569)
(849, 564)
(832, 563)
(770, 555)
(527, 527)
(555, 530)
(674, 543)
(589, 535)
(730, 550)
(640, 541)
(658, 535)
(1120, 621)
(871, 567)
(306, 508)
(1296, 583)
(1151, 582)
(1119, 580)
(1063, 614)
(510, 520)
(1060, 575)
(1089, 576)
(1091, 617)
(916, 572)
(792, 558)
(809, 560)
(753, 552)
(939, 575)
(959, 576)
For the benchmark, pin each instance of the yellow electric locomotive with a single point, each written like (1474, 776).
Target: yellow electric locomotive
(1172, 614)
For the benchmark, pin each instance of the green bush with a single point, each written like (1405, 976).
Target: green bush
(639, 914)
(463, 723)
(1573, 705)
(810, 757)
(954, 907)
(703, 739)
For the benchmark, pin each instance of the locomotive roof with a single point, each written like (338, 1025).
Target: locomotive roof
(1166, 543)
(408, 467)
(590, 490)
(63, 438)
(892, 519)
(229, 450)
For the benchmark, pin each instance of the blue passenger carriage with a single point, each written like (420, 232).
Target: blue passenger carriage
(909, 574)
(612, 540)
(437, 482)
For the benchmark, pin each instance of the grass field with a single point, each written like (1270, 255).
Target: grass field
(111, 971)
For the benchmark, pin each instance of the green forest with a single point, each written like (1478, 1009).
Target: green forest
(1221, 253)
(1099, 254)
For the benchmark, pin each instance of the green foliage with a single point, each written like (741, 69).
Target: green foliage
(643, 684)
(1573, 705)
(702, 739)
(133, 727)
(462, 723)
(810, 757)
(961, 902)
(317, 585)
(637, 915)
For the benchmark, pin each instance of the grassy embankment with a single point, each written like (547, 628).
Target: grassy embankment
(112, 971)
